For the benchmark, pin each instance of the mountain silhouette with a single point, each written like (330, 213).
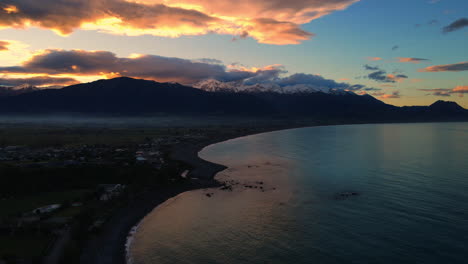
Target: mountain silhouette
(128, 96)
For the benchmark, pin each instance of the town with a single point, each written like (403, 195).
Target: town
(56, 196)
(60, 187)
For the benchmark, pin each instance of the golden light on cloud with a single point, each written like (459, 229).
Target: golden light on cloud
(11, 9)
(267, 21)
(14, 52)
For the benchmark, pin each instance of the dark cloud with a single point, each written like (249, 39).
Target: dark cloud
(4, 45)
(438, 91)
(208, 60)
(37, 81)
(456, 67)
(273, 82)
(302, 82)
(102, 63)
(87, 63)
(382, 76)
(456, 25)
(441, 94)
(312, 80)
(370, 89)
(371, 68)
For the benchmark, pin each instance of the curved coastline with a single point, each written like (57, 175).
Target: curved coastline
(110, 247)
(203, 171)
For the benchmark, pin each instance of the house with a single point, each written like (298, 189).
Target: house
(46, 209)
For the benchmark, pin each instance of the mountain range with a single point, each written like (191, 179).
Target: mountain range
(129, 96)
(10, 91)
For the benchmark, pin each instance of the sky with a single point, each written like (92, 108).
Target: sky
(401, 52)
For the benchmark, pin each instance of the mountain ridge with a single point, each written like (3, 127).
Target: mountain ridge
(125, 95)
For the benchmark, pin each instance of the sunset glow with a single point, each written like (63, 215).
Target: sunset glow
(236, 41)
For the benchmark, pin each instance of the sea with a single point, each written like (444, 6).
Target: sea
(385, 193)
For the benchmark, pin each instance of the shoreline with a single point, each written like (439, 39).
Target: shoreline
(110, 246)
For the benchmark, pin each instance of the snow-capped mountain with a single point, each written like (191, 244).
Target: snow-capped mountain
(211, 85)
(22, 89)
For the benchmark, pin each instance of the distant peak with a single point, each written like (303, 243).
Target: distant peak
(442, 102)
(446, 105)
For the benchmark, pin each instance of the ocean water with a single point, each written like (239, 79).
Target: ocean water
(411, 206)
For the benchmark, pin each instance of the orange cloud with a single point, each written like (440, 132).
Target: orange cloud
(394, 95)
(374, 58)
(456, 67)
(4, 45)
(461, 89)
(396, 78)
(411, 60)
(268, 21)
(10, 9)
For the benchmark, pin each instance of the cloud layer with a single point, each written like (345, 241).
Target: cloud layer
(267, 21)
(456, 67)
(460, 90)
(64, 66)
(107, 64)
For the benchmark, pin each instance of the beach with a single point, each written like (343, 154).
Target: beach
(320, 194)
(109, 246)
